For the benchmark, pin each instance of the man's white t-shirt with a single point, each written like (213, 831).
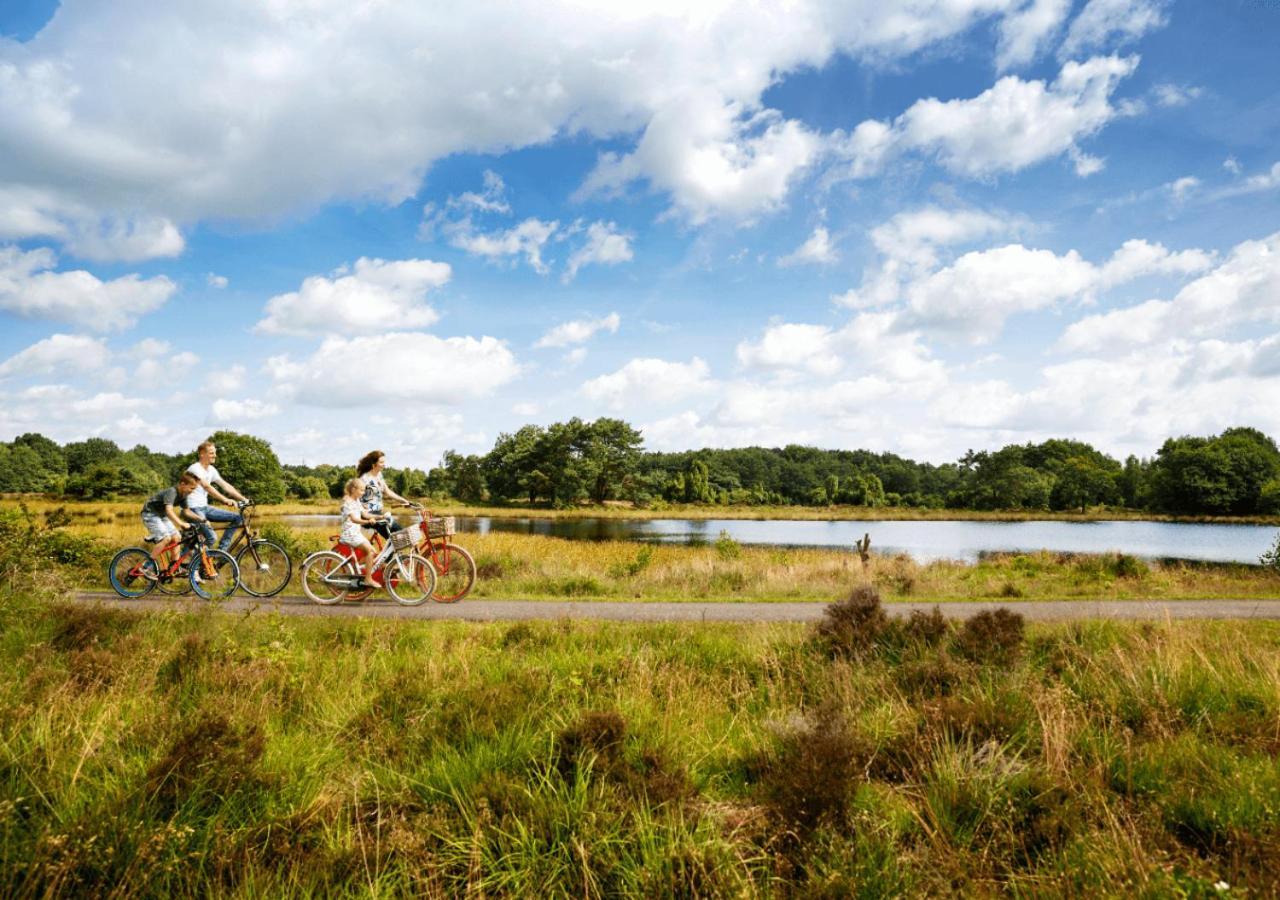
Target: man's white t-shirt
(199, 496)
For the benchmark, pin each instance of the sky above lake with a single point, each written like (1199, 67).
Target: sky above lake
(919, 227)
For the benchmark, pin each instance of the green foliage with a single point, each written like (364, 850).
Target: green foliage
(123, 477)
(1221, 475)
(250, 465)
(727, 548)
(307, 487)
(80, 455)
(1271, 557)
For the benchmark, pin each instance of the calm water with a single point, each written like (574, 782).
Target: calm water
(924, 541)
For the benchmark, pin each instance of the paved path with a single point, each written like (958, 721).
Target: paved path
(703, 611)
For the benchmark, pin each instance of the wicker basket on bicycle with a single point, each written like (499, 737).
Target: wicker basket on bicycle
(442, 526)
(406, 538)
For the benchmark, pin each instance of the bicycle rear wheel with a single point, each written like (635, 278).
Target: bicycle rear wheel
(216, 580)
(174, 580)
(409, 578)
(265, 568)
(455, 573)
(132, 572)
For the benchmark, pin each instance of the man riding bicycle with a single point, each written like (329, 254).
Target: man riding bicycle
(209, 482)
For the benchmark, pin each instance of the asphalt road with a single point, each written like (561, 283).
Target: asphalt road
(700, 611)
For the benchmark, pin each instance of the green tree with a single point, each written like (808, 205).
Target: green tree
(611, 451)
(52, 459)
(697, 484)
(80, 455)
(249, 463)
(1081, 483)
(464, 476)
(125, 476)
(308, 487)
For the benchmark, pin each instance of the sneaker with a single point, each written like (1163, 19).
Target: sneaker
(195, 576)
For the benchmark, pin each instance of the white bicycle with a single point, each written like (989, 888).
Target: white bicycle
(331, 576)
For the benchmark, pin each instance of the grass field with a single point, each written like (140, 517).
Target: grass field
(151, 755)
(531, 567)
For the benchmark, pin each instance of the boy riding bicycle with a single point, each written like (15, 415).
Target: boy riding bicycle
(160, 516)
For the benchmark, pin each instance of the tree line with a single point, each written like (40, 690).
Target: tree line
(571, 463)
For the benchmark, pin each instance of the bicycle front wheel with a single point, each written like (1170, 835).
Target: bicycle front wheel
(409, 578)
(216, 579)
(327, 577)
(455, 573)
(132, 572)
(265, 568)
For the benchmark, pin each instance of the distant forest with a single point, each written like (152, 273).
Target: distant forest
(572, 463)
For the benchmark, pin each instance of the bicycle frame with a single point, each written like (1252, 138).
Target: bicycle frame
(427, 547)
(188, 545)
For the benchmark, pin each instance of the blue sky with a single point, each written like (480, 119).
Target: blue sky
(943, 226)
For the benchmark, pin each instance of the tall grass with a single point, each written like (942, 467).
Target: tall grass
(515, 566)
(160, 754)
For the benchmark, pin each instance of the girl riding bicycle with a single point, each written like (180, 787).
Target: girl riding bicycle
(354, 518)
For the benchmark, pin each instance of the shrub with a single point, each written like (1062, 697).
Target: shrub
(809, 776)
(599, 733)
(927, 628)
(1271, 558)
(727, 548)
(633, 568)
(852, 627)
(991, 638)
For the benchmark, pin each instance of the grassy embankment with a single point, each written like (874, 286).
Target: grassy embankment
(529, 567)
(188, 754)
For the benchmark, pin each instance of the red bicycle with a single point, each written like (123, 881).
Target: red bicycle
(454, 566)
(187, 564)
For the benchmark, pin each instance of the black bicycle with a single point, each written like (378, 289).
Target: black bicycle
(265, 567)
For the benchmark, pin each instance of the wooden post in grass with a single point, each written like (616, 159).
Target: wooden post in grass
(864, 548)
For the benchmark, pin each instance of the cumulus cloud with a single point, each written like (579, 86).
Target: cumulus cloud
(373, 296)
(605, 245)
(792, 346)
(1111, 22)
(57, 354)
(1024, 34)
(1244, 288)
(30, 288)
(267, 108)
(248, 410)
(218, 282)
(817, 249)
(579, 331)
(1175, 95)
(648, 380)
(909, 245)
(526, 239)
(419, 368)
(1010, 126)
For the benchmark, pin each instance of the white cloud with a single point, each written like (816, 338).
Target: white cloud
(225, 381)
(1244, 288)
(1175, 95)
(527, 410)
(574, 357)
(1181, 188)
(1010, 126)
(1232, 165)
(579, 331)
(792, 346)
(126, 240)
(973, 297)
(1264, 181)
(527, 239)
(415, 367)
(605, 245)
(248, 410)
(648, 380)
(817, 249)
(1024, 34)
(909, 245)
(148, 348)
(218, 282)
(1111, 22)
(266, 108)
(492, 199)
(374, 296)
(29, 288)
(57, 354)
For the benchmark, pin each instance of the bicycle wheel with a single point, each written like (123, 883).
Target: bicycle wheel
(174, 580)
(264, 568)
(128, 572)
(409, 578)
(216, 580)
(455, 573)
(327, 577)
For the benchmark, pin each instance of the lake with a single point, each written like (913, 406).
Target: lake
(922, 540)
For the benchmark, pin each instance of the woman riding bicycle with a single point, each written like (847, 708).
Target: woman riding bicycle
(369, 470)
